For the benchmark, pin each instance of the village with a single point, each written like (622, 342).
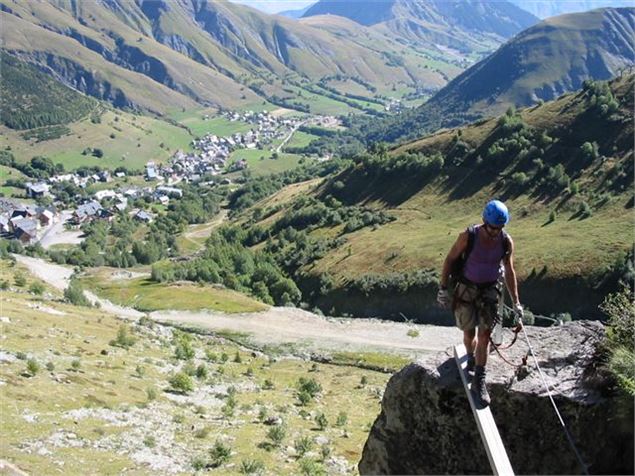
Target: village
(211, 156)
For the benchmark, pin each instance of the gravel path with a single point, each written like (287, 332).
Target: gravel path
(57, 234)
(281, 325)
(54, 274)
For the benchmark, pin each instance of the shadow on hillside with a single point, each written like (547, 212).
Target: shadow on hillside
(391, 190)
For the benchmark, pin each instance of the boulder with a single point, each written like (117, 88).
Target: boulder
(426, 425)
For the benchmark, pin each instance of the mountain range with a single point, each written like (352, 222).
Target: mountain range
(544, 9)
(551, 58)
(455, 24)
(164, 55)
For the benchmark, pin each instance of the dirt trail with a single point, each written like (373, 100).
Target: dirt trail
(282, 325)
(53, 274)
(197, 231)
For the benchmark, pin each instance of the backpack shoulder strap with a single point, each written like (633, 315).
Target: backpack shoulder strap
(506, 244)
(471, 238)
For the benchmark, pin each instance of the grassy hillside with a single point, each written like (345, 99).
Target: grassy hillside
(371, 239)
(127, 140)
(539, 64)
(22, 104)
(95, 390)
(142, 294)
(162, 57)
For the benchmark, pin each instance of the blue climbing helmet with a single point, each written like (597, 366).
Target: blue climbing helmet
(496, 213)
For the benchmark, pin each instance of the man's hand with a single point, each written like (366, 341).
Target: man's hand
(519, 313)
(443, 298)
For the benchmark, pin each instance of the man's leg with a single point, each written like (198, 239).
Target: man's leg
(469, 341)
(487, 316)
(478, 381)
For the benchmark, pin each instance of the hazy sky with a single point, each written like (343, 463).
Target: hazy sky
(275, 6)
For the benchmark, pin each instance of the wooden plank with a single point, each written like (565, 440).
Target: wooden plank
(494, 447)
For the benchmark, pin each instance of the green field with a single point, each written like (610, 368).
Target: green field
(126, 140)
(7, 173)
(261, 163)
(300, 139)
(146, 295)
(219, 126)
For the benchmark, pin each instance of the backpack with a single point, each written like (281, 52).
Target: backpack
(456, 273)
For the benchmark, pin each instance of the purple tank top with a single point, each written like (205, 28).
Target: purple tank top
(484, 263)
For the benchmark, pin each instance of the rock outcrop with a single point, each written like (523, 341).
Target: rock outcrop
(426, 424)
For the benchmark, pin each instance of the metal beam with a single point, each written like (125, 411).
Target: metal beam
(494, 448)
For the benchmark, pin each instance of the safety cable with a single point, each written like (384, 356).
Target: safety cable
(555, 407)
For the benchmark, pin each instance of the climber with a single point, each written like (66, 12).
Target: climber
(478, 262)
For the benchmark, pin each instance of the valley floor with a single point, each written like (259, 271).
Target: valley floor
(282, 325)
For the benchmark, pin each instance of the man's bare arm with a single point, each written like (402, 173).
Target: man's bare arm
(455, 252)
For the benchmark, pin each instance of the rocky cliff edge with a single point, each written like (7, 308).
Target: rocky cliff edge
(426, 424)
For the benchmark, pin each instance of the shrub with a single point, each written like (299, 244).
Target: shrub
(342, 419)
(363, 380)
(277, 434)
(219, 454)
(519, 179)
(37, 288)
(304, 398)
(310, 467)
(302, 446)
(321, 421)
(50, 366)
(76, 364)
(199, 463)
(619, 337)
(310, 385)
(230, 406)
(32, 367)
(413, 333)
(210, 356)
(251, 466)
(123, 339)
(20, 356)
(189, 369)
(19, 279)
(268, 385)
(584, 210)
(201, 371)
(151, 393)
(74, 294)
(184, 350)
(181, 383)
(237, 358)
(4, 285)
(150, 441)
(325, 451)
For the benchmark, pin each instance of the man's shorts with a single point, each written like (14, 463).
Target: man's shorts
(477, 306)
